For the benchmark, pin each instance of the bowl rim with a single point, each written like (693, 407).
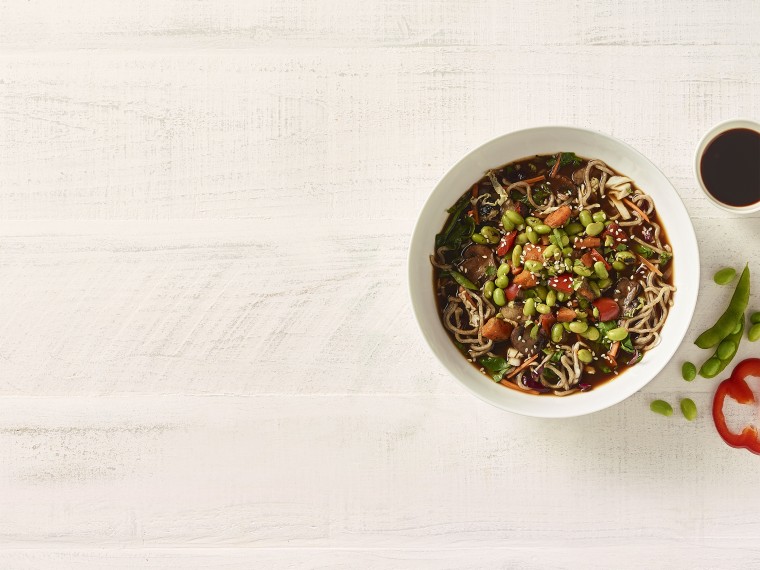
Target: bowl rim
(416, 310)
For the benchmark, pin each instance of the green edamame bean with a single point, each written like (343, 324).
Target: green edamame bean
(608, 241)
(585, 218)
(542, 291)
(543, 308)
(561, 296)
(595, 289)
(595, 312)
(532, 236)
(585, 355)
(724, 276)
(581, 314)
(727, 321)
(582, 271)
(478, 238)
(514, 217)
(688, 371)
(617, 334)
(568, 264)
(601, 270)
(566, 251)
(490, 233)
(533, 266)
(558, 332)
(710, 368)
(503, 269)
(754, 333)
(689, 409)
(618, 265)
(499, 299)
(594, 229)
(754, 318)
(488, 289)
(550, 251)
(508, 224)
(502, 281)
(516, 253)
(592, 334)
(529, 308)
(625, 257)
(578, 327)
(542, 229)
(599, 216)
(551, 298)
(604, 283)
(522, 238)
(532, 221)
(737, 328)
(574, 228)
(725, 349)
(661, 407)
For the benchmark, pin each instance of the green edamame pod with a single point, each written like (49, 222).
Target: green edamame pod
(735, 311)
(715, 365)
(463, 281)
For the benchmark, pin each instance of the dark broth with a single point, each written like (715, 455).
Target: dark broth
(526, 168)
(730, 167)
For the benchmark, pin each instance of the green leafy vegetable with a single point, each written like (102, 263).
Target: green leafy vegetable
(644, 250)
(459, 228)
(490, 271)
(627, 345)
(567, 158)
(496, 366)
(665, 257)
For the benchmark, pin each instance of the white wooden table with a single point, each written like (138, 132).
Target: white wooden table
(207, 355)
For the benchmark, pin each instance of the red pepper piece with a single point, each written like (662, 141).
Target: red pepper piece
(547, 322)
(506, 243)
(562, 283)
(599, 257)
(609, 310)
(736, 388)
(511, 292)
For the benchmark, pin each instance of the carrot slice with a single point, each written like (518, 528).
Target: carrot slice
(522, 366)
(475, 215)
(534, 180)
(614, 348)
(649, 264)
(633, 206)
(513, 386)
(556, 166)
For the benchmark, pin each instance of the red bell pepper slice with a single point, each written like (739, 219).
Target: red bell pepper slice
(562, 283)
(511, 292)
(596, 256)
(506, 243)
(615, 232)
(736, 387)
(609, 310)
(547, 322)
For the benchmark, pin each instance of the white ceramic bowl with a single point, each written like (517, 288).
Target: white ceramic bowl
(548, 140)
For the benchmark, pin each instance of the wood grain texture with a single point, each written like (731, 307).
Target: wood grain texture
(207, 355)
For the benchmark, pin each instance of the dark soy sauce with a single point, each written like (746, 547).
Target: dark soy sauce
(730, 167)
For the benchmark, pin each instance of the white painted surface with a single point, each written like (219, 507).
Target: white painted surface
(207, 354)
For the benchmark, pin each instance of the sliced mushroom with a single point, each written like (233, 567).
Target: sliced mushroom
(625, 293)
(523, 343)
(476, 260)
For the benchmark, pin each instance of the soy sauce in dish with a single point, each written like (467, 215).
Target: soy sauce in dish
(730, 167)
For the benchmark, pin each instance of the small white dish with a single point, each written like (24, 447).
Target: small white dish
(709, 137)
(548, 140)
